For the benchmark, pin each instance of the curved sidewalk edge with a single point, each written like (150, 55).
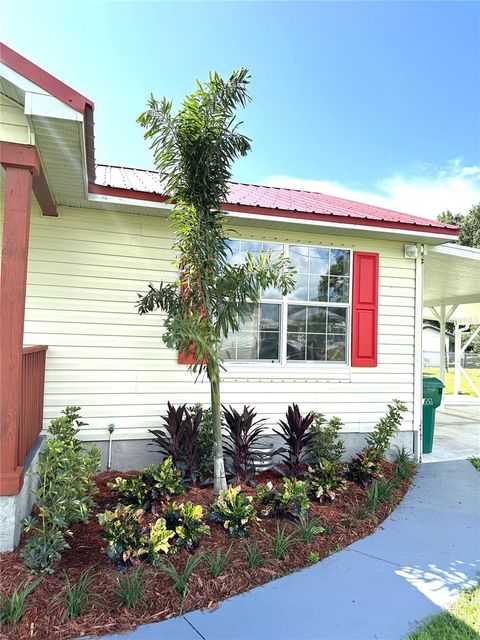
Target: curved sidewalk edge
(378, 588)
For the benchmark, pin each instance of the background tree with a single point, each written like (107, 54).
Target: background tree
(469, 237)
(469, 225)
(194, 151)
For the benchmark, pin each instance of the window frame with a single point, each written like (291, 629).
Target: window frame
(284, 303)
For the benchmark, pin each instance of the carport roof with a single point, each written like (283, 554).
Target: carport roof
(452, 277)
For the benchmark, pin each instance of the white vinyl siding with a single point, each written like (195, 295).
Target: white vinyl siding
(85, 270)
(13, 124)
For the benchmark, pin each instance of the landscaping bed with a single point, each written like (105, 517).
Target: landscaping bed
(344, 520)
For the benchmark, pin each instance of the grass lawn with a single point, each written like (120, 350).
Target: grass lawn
(462, 622)
(464, 386)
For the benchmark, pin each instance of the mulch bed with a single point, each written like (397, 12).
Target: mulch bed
(44, 617)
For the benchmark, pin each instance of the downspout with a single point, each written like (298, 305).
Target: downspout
(418, 355)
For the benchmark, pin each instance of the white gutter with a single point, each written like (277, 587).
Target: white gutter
(353, 227)
(407, 234)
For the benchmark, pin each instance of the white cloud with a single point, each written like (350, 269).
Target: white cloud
(425, 191)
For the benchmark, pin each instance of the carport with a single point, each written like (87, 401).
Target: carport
(452, 294)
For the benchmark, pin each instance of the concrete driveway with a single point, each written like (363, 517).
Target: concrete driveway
(457, 430)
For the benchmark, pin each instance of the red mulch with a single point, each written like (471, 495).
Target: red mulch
(43, 619)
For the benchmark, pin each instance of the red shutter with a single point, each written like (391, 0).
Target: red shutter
(365, 309)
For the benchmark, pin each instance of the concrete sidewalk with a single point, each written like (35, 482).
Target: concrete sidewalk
(378, 588)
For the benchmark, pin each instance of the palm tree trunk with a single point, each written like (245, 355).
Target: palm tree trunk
(219, 479)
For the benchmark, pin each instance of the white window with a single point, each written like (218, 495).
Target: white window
(311, 323)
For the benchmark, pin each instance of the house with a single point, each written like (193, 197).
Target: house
(431, 346)
(81, 240)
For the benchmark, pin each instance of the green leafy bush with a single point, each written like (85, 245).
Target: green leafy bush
(165, 480)
(133, 490)
(153, 484)
(379, 439)
(325, 479)
(363, 470)
(157, 541)
(205, 447)
(365, 466)
(326, 442)
(65, 493)
(291, 500)
(187, 522)
(123, 532)
(235, 510)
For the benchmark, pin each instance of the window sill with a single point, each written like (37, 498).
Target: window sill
(275, 372)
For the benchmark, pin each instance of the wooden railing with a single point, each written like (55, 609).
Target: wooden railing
(31, 405)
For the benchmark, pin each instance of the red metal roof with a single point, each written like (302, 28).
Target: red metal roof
(252, 198)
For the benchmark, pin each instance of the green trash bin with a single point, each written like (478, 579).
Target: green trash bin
(432, 398)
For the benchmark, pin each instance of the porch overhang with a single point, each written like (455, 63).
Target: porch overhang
(452, 294)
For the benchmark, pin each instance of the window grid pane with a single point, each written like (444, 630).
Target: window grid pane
(314, 332)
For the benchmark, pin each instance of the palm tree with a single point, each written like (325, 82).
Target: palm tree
(194, 151)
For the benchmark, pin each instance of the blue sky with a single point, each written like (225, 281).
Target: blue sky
(377, 101)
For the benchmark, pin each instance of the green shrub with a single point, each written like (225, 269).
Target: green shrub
(65, 493)
(218, 562)
(313, 557)
(291, 500)
(78, 596)
(122, 531)
(157, 541)
(253, 556)
(205, 447)
(235, 510)
(363, 470)
(365, 466)
(181, 580)
(405, 464)
(13, 607)
(133, 490)
(308, 529)
(282, 542)
(186, 520)
(325, 479)
(378, 440)
(165, 480)
(130, 588)
(153, 484)
(326, 442)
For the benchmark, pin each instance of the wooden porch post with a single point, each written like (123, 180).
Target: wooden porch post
(21, 163)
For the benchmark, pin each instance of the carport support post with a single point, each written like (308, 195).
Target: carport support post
(458, 356)
(442, 342)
